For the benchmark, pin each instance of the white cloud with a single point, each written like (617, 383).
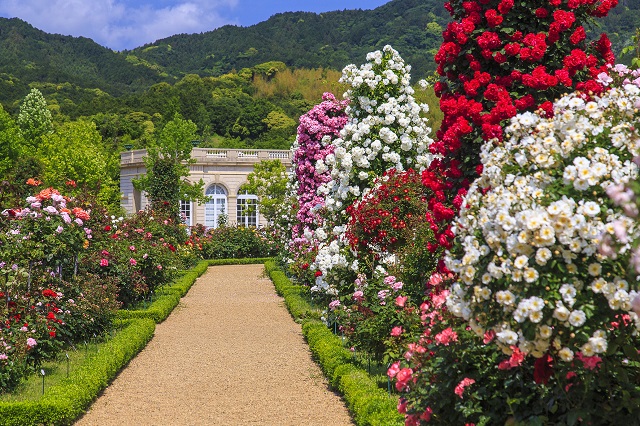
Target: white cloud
(123, 24)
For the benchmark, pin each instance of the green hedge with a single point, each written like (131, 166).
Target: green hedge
(369, 405)
(247, 261)
(167, 297)
(63, 403)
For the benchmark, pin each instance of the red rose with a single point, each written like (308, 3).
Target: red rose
(547, 107)
(543, 369)
(524, 102)
(542, 12)
(512, 49)
(499, 58)
(505, 6)
(493, 18)
(489, 40)
(578, 35)
(563, 19)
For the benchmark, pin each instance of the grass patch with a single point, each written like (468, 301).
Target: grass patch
(55, 372)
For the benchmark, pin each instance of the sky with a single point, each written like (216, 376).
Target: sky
(126, 24)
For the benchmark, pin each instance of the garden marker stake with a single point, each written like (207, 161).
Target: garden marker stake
(43, 374)
(67, 354)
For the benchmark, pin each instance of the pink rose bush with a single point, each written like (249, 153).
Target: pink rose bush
(66, 267)
(45, 299)
(313, 144)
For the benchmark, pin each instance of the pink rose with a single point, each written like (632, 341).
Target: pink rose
(446, 336)
(459, 390)
(635, 304)
(396, 331)
(132, 262)
(104, 262)
(334, 304)
(403, 378)
(393, 370)
(401, 300)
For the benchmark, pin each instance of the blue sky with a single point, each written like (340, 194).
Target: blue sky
(125, 24)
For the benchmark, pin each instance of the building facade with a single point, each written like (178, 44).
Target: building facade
(223, 171)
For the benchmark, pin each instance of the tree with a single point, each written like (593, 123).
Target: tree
(34, 118)
(269, 182)
(167, 165)
(10, 141)
(74, 152)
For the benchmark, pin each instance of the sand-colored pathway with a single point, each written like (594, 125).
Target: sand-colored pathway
(230, 354)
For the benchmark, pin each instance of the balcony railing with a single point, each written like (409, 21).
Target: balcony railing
(215, 155)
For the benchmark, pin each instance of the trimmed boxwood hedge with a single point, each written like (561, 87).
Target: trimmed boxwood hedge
(167, 297)
(247, 261)
(63, 403)
(369, 405)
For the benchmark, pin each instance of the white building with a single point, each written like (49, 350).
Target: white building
(223, 171)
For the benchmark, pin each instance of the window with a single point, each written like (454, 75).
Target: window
(216, 207)
(247, 209)
(185, 213)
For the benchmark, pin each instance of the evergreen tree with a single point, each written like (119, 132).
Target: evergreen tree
(34, 118)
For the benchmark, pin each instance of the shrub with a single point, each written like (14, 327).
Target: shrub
(230, 242)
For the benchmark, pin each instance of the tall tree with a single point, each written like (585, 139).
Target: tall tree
(34, 118)
(167, 164)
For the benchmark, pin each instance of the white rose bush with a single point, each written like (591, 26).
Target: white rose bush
(385, 130)
(527, 256)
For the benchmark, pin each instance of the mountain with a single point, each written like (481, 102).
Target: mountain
(31, 55)
(79, 69)
(302, 39)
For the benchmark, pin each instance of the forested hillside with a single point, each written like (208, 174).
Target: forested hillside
(333, 40)
(299, 40)
(242, 86)
(29, 55)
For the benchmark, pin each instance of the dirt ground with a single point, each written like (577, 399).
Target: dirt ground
(230, 354)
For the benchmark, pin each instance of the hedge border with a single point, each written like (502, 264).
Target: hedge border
(65, 402)
(368, 404)
(243, 261)
(168, 297)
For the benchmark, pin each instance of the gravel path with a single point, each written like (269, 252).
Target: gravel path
(230, 354)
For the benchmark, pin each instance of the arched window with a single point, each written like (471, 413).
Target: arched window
(216, 206)
(247, 209)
